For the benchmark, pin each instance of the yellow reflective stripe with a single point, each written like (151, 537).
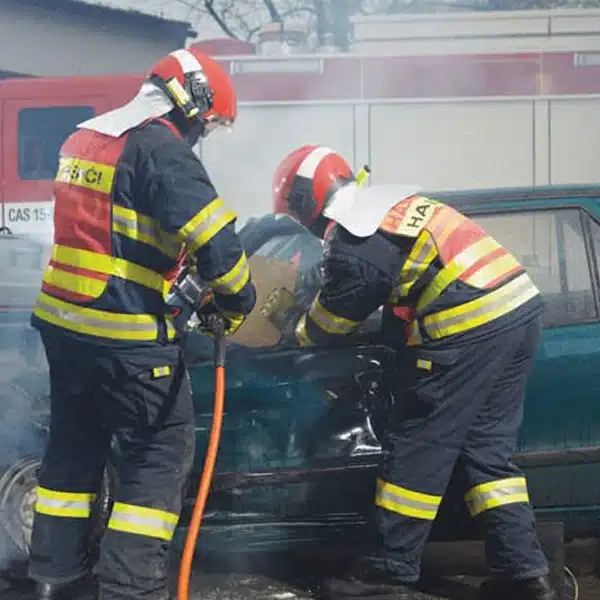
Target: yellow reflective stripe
(440, 226)
(108, 265)
(88, 286)
(99, 323)
(301, 333)
(406, 502)
(141, 520)
(206, 224)
(496, 269)
(482, 310)
(234, 280)
(63, 504)
(329, 322)
(158, 372)
(496, 493)
(455, 268)
(142, 228)
(86, 174)
(421, 256)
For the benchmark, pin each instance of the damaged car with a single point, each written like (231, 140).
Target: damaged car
(300, 442)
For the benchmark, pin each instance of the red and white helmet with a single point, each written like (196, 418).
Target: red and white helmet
(198, 86)
(314, 182)
(306, 181)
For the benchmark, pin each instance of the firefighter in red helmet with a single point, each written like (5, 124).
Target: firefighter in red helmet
(132, 200)
(465, 317)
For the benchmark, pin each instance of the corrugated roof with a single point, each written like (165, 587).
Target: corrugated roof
(117, 16)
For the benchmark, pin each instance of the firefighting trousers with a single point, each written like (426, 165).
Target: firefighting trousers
(143, 399)
(459, 408)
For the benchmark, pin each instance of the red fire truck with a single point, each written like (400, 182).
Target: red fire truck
(37, 114)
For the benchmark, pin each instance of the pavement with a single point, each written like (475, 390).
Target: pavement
(453, 571)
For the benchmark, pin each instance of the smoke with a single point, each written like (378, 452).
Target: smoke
(242, 163)
(24, 391)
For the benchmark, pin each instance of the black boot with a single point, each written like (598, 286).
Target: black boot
(537, 588)
(365, 582)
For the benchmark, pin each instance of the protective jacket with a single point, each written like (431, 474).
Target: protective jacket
(127, 211)
(437, 273)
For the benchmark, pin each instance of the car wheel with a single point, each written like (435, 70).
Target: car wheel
(17, 502)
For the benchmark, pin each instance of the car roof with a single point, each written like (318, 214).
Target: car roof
(516, 194)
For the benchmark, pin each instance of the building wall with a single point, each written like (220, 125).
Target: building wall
(44, 42)
(477, 32)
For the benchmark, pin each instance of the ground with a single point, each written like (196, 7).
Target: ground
(454, 572)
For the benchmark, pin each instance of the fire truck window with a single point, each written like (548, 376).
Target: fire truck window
(550, 245)
(41, 134)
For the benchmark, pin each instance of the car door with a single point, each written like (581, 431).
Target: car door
(560, 435)
(298, 428)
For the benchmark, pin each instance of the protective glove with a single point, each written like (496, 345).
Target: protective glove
(231, 321)
(278, 306)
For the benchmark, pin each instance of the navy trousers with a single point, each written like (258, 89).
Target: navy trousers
(142, 398)
(459, 406)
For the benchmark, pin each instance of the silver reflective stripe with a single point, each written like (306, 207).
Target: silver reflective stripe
(145, 520)
(151, 230)
(140, 520)
(63, 504)
(521, 288)
(410, 276)
(497, 493)
(233, 286)
(81, 319)
(209, 221)
(404, 502)
(329, 322)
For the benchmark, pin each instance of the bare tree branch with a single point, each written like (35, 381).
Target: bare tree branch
(273, 12)
(209, 5)
(321, 25)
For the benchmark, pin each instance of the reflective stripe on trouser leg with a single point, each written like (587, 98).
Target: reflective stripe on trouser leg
(59, 552)
(493, 494)
(141, 520)
(63, 504)
(404, 519)
(406, 502)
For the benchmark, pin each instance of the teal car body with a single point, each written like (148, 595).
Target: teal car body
(299, 448)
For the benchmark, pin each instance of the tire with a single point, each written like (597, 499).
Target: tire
(17, 501)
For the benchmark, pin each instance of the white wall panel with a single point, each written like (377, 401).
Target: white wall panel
(453, 145)
(241, 163)
(575, 140)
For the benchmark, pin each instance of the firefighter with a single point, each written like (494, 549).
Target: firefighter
(465, 317)
(132, 199)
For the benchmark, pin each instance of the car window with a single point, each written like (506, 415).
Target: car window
(41, 134)
(550, 245)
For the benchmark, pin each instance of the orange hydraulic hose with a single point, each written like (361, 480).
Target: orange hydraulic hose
(183, 584)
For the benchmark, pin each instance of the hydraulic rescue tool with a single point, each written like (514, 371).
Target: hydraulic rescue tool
(193, 301)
